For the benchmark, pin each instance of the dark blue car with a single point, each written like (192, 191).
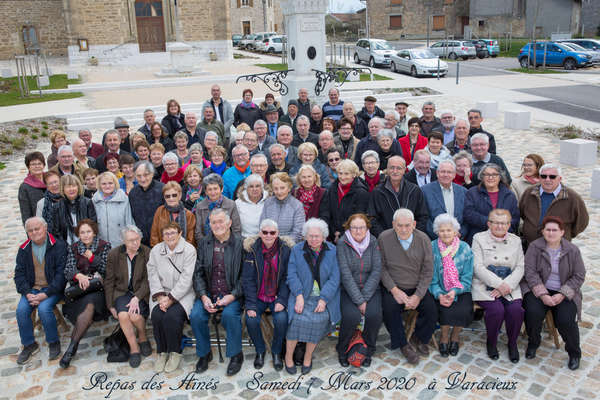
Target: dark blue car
(556, 55)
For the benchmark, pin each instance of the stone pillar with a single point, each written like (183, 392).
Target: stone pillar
(305, 28)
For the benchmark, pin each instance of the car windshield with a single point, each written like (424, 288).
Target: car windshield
(420, 54)
(381, 46)
(574, 46)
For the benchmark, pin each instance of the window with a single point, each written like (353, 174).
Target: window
(447, 2)
(270, 4)
(244, 3)
(439, 22)
(481, 23)
(395, 21)
(395, 2)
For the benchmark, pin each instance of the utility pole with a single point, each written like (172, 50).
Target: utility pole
(264, 4)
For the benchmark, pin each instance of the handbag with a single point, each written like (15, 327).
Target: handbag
(116, 346)
(500, 271)
(74, 292)
(357, 349)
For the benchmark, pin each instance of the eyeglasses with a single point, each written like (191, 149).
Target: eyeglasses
(269, 233)
(334, 159)
(394, 168)
(491, 175)
(499, 223)
(370, 163)
(171, 196)
(524, 165)
(544, 176)
(170, 233)
(358, 228)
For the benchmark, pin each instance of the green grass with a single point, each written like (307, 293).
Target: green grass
(2, 165)
(536, 71)
(11, 97)
(515, 47)
(273, 67)
(363, 77)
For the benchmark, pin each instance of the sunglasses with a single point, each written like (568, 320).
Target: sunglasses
(272, 233)
(334, 159)
(544, 176)
(171, 196)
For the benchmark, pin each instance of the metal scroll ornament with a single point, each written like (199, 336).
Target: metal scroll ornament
(336, 74)
(273, 80)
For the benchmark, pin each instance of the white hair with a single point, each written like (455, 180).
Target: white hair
(276, 146)
(268, 223)
(282, 127)
(64, 147)
(218, 211)
(386, 133)
(369, 153)
(445, 219)
(394, 113)
(170, 157)
(211, 133)
(130, 228)
(551, 166)
(403, 212)
(325, 132)
(481, 136)
(376, 120)
(31, 220)
(259, 155)
(444, 112)
(449, 161)
(315, 223)
(253, 178)
(259, 122)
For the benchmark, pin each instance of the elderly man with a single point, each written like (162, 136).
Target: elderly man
(334, 107)
(194, 132)
(145, 198)
(447, 119)
(316, 118)
(475, 120)
(401, 108)
(250, 140)
(218, 286)
(370, 110)
(82, 160)
(480, 146)
(240, 170)
(391, 122)
(422, 173)
(551, 197)
(302, 133)
(461, 140)
(149, 119)
(359, 126)
(284, 137)
(112, 141)
(278, 163)
(209, 123)
(66, 165)
(344, 139)
(429, 121)
(94, 150)
(326, 143)
(292, 115)
(407, 270)
(303, 102)
(221, 108)
(370, 142)
(40, 280)
(264, 141)
(394, 193)
(445, 197)
(272, 116)
(122, 126)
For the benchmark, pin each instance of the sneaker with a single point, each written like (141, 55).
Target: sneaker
(161, 360)
(173, 363)
(411, 355)
(54, 350)
(27, 352)
(145, 348)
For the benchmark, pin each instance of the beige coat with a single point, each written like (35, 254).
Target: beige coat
(486, 252)
(164, 277)
(519, 186)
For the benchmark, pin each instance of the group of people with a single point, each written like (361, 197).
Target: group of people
(321, 216)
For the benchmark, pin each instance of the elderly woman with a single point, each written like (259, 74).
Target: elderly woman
(360, 269)
(247, 111)
(284, 208)
(127, 181)
(112, 209)
(192, 189)
(174, 121)
(173, 211)
(57, 139)
(493, 192)
(159, 135)
(71, 209)
(172, 173)
(211, 141)
(530, 174)
(451, 282)
(388, 147)
(264, 276)
(371, 174)
(126, 291)
(464, 166)
(44, 207)
(498, 270)
(270, 100)
(250, 204)
(314, 301)
(196, 157)
(307, 154)
(413, 141)
(181, 149)
(111, 162)
(347, 195)
(33, 187)
(157, 151)
(554, 274)
(218, 165)
(359, 126)
(309, 190)
(86, 259)
(213, 190)
(170, 274)
(328, 124)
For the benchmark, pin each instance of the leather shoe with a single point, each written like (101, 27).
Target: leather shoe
(235, 364)
(410, 354)
(492, 351)
(291, 370)
(259, 360)
(277, 362)
(306, 369)
(65, 361)
(367, 362)
(444, 352)
(530, 352)
(573, 363)
(421, 347)
(202, 364)
(343, 360)
(453, 349)
(513, 354)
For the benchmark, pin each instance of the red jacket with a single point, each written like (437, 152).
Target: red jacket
(405, 144)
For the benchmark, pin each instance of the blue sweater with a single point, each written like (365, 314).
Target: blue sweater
(231, 178)
(463, 260)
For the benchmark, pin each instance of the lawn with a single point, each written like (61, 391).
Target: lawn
(515, 47)
(9, 90)
(539, 70)
(363, 77)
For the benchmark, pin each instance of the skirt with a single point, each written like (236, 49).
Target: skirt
(460, 313)
(72, 309)
(309, 326)
(122, 301)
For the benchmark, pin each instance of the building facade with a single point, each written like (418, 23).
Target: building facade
(252, 16)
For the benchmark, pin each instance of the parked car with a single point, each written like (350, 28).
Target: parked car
(235, 39)
(492, 46)
(247, 40)
(557, 54)
(577, 47)
(589, 44)
(454, 49)
(480, 48)
(418, 62)
(374, 51)
(257, 44)
(274, 44)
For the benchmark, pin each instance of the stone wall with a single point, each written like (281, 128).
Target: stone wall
(590, 17)
(254, 13)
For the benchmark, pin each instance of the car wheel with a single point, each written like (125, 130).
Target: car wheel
(413, 71)
(371, 62)
(393, 67)
(524, 61)
(356, 58)
(452, 56)
(481, 55)
(271, 50)
(494, 55)
(465, 58)
(570, 64)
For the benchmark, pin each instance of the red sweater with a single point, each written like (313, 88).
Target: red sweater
(405, 144)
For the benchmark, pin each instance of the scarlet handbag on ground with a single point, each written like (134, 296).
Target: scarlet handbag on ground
(74, 292)
(357, 349)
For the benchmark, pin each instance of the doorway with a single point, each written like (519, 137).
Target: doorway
(150, 25)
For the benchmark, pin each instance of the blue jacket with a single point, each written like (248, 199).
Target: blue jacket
(231, 178)
(55, 259)
(435, 205)
(478, 206)
(300, 279)
(464, 264)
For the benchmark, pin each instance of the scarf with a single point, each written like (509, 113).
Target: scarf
(218, 169)
(450, 272)
(211, 206)
(206, 162)
(165, 178)
(343, 191)
(242, 170)
(49, 200)
(190, 190)
(247, 105)
(497, 239)
(307, 197)
(360, 247)
(269, 280)
(531, 179)
(34, 182)
(460, 180)
(374, 181)
(179, 209)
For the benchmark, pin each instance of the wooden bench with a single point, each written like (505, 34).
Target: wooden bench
(60, 320)
(410, 323)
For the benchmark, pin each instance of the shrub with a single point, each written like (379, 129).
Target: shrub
(34, 137)
(23, 130)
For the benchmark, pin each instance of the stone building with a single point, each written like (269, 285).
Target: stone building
(252, 16)
(128, 32)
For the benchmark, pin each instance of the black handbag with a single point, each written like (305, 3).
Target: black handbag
(74, 292)
(500, 271)
(116, 346)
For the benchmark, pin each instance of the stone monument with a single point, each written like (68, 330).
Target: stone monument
(305, 28)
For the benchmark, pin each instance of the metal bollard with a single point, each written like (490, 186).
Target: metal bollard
(438, 69)
(457, 71)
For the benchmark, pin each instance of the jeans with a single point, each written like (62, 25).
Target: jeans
(45, 314)
(231, 319)
(280, 319)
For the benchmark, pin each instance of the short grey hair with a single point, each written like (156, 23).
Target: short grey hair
(148, 110)
(496, 167)
(394, 113)
(121, 121)
(403, 212)
(180, 135)
(207, 106)
(111, 132)
(462, 120)
(304, 118)
(170, 157)
(282, 127)
(64, 147)
(481, 136)
(259, 155)
(33, 219)
(212, 179)
(428, 103)
(316, 223)
(84, 130)
(268, 223)
(195, 147)
(369, 153)
(218, 211)
(449, 162)
(253, 178)
(259, 122)
(551, 166)
(377, 120)
(147, 165)
(463, 154)
(386, 133)
(131, 228)
(76, 140)
(211, 133)
(445, 219)
(276, 146)
(325, 132)
(444, 112)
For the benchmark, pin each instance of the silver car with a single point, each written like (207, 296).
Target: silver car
(418, 62)
(576, 47)
(454, 49)
(374, 51)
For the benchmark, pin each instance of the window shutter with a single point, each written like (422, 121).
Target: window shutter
(251, 3)
(239, 3)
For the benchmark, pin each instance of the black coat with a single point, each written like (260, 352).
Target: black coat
(311, 138)
(364, 115)
(411, 176)
(60, 225)
(492, 148)
(28, 199)
(361, 128)
(336, 213)
(99, 163)
(144, 204)
(247, 115)
(173, 123)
